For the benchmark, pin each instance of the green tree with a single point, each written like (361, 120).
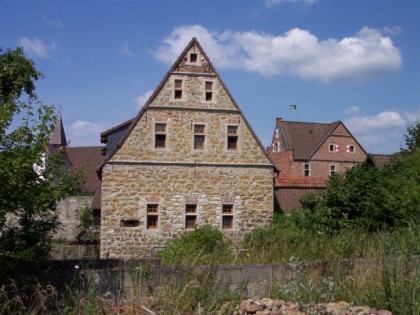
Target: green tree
(412, 138)
(31, 182)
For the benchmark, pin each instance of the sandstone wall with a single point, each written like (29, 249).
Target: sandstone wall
(68, 214)
(127, 189)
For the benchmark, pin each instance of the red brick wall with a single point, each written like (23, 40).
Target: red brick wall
(289, 198)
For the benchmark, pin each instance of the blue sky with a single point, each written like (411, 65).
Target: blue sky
(350, 60)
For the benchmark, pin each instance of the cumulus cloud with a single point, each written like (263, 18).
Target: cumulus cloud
(142, 99)
(37, 47)
(351, 110)
(270, 3)
(367, 55)
(125, 50)
(83, 133)
(381, 133)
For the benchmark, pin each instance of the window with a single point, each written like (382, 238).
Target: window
(178, 89)
(190, 216)
(333, 169)
(208, 86)
(199, 137)
(350, 148)
(130, 223)
(232, 138)
(160, 135)
(193, 57)
(306, 169)
(276, 147)
(152, 220)
(334, 148)
(227, 217)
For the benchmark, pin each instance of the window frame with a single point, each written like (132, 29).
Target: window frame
(276, 147)
(350, 148)
(333, 148)
(202, 134)
(232, 136)
(230, 214)
(209, 91)
(306, 169)
(178, 89)
(154, 214)
(193, 214)
(158, 134)
(333, 169)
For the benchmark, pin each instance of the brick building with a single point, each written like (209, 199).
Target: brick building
(307, 154)
(188, 158)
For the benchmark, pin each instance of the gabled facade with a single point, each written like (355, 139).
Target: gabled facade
(189, 158)
(307, 154)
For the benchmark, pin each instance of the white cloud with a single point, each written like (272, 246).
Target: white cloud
(351, 110)
(52, 21)
(365, 56)
(36, 47)
(392, 30)
(270, 3)
(125, 50)
(83, 133)
(142, 99)
(381, 133)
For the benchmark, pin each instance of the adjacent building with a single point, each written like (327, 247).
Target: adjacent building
(187, 159)
(307, 154)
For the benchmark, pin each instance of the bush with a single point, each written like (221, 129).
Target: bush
(203, 245)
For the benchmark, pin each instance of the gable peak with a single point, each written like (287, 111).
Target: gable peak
(193, 60)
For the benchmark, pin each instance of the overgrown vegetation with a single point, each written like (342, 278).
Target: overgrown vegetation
(31, 182)
(205, 245)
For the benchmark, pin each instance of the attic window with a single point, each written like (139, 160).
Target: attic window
(333, 148)
(209, 90)
(350, 148)
(232, 138)
(178, 89)
(276, 147)
(160, 135)
(193, 57)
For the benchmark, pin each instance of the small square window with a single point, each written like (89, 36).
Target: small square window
(333, 148)
(178, 94)
(350, 148)
(209, 86)
(178, 84)
(193, 57)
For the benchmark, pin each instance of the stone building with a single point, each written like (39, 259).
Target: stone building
(307, 154)
(188, 158)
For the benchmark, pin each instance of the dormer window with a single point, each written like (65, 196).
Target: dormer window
(178, 89)
(193, 57)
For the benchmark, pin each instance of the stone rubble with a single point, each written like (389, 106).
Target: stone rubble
(266, 306)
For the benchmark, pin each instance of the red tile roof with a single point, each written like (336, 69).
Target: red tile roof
(299, 181)
(305, 137)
